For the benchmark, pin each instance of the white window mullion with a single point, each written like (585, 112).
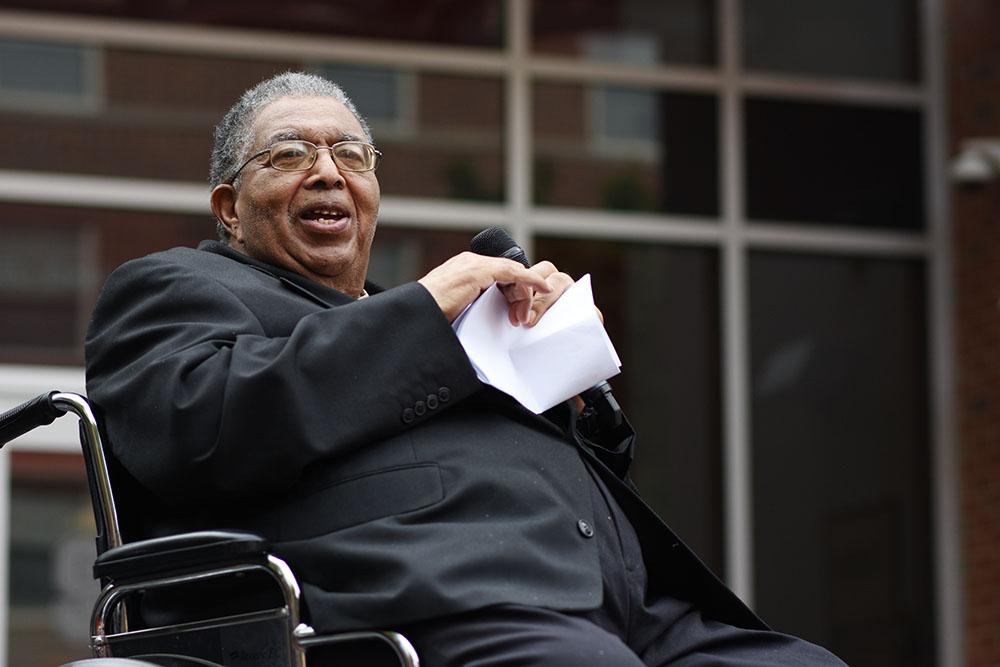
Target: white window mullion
(518, 118)
(4, 553)
(737, 471)
(940, 311)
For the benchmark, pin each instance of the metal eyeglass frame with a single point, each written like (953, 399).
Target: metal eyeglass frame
(315, 156)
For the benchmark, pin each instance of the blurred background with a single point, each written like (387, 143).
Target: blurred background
(790, 211)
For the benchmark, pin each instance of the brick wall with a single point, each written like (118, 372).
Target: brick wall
(974, 99)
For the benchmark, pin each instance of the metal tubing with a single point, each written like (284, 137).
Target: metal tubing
(400, 645)
(69, 402)
(277, 568)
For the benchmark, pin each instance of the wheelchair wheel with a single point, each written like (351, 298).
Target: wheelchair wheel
(147, 661)
(108, 662)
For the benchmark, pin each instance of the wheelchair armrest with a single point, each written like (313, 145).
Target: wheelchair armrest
(179, 553)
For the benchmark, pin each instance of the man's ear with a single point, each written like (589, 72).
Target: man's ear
(223, 201)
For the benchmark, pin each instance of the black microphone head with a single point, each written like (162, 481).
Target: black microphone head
(496, 242)
(492, 241)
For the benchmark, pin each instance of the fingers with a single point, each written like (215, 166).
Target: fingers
(545, 268)
(530, 292)
(527, 305)
(559, 283)
(461, 279)
(514, 273)
(519, 297)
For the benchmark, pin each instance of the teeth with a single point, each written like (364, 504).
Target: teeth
(326, 214)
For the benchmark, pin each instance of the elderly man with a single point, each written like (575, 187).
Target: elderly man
(260, 383)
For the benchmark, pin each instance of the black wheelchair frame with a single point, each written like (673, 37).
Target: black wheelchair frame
(269, 637)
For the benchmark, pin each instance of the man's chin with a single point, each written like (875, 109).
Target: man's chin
(340, 272)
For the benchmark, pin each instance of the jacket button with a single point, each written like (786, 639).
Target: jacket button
(585, 528)
(432, 401)
(408, 416)
(444, 394)
(420, 408)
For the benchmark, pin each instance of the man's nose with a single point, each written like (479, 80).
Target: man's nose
(325, 173)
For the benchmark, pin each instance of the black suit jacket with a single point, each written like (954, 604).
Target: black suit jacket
(356, 437)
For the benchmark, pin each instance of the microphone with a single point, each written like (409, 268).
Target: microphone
(496, 242)
(601, 411)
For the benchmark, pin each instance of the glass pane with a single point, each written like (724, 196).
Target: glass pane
(42, 67)
(377, 92)
(643, 32)
(401, 255)
(828, 163)
(852, 38)
(52, 589)
(477, 23)
(43, 274)
(669, 385)
(842, 516)
(448, 142)
(626, 149)
(53, 261)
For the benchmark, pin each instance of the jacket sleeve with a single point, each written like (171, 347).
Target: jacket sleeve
(199, 402)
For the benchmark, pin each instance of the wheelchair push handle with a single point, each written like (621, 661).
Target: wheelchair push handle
(39, 411)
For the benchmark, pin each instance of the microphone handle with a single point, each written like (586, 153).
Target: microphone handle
(601, 409)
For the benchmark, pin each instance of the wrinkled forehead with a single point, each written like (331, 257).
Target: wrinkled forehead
(316, 119)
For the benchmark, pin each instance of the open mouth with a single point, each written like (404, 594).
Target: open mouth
(325, 215)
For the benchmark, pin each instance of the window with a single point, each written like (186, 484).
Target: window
(52, 589)
(46, 281)
(639, 150)
(834, 164)
(848, 38)
(625, 122)
(842, 510)
(637, 32)
(49, 76)
(385, 97)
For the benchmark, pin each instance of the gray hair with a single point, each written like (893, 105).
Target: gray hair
(234, 133)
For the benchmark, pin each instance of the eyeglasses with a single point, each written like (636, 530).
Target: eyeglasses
(300, 155)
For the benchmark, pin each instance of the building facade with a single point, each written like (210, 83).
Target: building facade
(801, 297)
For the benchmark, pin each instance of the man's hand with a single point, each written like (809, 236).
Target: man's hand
(529, 311)
(530, 292)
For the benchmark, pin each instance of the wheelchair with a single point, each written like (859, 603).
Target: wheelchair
(121, 635)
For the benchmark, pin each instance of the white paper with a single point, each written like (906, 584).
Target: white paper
(566, 352)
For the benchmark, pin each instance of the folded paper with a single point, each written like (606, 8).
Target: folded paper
(566, 352)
